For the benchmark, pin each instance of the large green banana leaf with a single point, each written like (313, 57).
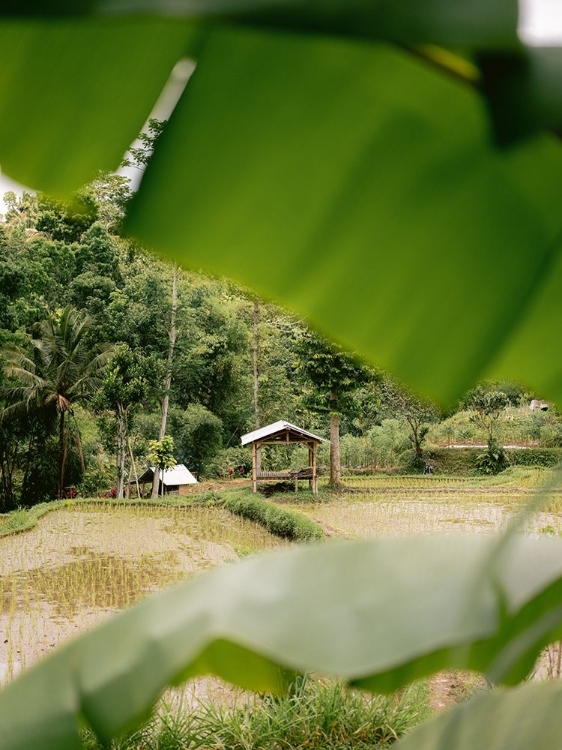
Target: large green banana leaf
(379, 614)
(526, 717)
(359, 186)
(322, 154)
(325, 155)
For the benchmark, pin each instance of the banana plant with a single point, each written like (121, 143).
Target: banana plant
(390, 170)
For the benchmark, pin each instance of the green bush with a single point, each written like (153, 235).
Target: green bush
(515, 426)
(493, 460)
(229, 458)
(460, 461)
(464, 461)
(544, 457)
(283, 523)
(197, 434)
(387, 441)
(412, 463)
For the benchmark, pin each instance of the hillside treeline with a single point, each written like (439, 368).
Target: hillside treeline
(85, 324)
(98, 337)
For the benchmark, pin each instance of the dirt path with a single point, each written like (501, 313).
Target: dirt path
(451, 687)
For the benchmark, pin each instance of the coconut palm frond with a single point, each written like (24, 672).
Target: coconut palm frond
(16, 358)
(25, 377)
(13, 409)
(59, 372)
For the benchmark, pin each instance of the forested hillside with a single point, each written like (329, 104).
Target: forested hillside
(67, 272)
(106, 347)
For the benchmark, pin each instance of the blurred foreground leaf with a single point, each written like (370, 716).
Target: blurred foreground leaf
(439, 21)
(75, 94)
(455, 603)
(319, 167)
(331, 177)
(356, 181)
(523, 718)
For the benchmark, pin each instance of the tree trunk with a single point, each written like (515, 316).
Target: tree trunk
(121, 449)
(62, 454)
(134, 466)
(256, 363)
(335, 459)
(80, 451)
(415, 427)
(168, 380)
(256, 354)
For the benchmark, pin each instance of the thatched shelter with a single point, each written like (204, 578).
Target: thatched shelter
(284, 433)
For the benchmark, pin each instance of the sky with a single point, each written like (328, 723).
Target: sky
(540, 24)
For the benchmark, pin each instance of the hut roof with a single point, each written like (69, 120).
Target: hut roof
(281, 432)
(176, 476)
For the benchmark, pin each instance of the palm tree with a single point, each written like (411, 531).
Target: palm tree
(59, 372)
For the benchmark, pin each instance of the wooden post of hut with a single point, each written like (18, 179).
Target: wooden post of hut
(314, 469)
(254, 468)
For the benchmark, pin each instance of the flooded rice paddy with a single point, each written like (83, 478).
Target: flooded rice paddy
(82, 563)
(393, 506)
(88, 560)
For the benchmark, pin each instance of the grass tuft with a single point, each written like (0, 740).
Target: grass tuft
(316, 715)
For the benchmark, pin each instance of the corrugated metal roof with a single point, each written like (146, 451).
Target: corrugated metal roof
(178, 475)
(272, 429)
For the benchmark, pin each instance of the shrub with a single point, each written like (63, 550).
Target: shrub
(493, 460)
(387, 441)
(197, 436)
(315, 715)
(229, 458)
(551, 435)
(411, 463)
(279, 521)
(460, 461)
(544, 457)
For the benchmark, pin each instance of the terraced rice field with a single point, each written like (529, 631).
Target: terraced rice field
(88, 560)
(82, 563)
(391, 506)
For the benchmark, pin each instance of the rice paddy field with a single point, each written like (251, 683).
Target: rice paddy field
(87, 560)
(84, 562)
(395, 505)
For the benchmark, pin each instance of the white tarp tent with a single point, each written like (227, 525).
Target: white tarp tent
(175, 482)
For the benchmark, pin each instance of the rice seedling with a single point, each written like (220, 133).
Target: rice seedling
(393, 505)
(86, 560)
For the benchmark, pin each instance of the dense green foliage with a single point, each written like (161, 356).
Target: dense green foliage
(53, 259)
(464, 461)
(276, 519)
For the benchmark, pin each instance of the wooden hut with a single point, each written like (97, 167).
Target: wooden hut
(284, 433)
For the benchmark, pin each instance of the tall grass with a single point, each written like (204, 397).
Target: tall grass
(316, 715)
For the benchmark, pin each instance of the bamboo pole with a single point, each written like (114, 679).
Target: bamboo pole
(133, 464)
